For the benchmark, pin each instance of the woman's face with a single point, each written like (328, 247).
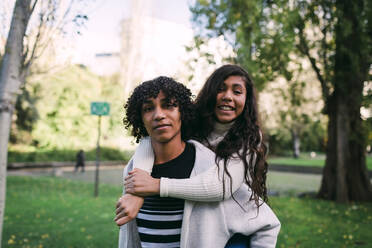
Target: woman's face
(230, 99)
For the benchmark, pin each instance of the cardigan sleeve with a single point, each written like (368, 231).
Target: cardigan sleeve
(207, 186)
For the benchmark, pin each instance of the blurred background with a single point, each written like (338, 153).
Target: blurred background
(78, 52)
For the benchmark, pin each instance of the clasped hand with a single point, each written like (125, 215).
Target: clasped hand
(140, 183)
(127, 208)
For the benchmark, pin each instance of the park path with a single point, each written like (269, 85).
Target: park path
(282, 183)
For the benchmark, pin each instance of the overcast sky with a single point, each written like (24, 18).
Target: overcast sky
(102, 31)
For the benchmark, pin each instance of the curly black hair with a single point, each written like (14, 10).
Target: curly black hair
(150, 89)
(244, 137)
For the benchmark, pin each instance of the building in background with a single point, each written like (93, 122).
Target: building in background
(150, 46)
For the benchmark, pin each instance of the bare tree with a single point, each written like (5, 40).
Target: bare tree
(33, 27)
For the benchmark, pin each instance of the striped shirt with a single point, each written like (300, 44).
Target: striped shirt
(159, 220)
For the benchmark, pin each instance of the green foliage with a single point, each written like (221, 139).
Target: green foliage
(63, 108)
(26, 115)
(313, 138)
(106, 154)
(256, 29)
(268, 34)
(49, 212)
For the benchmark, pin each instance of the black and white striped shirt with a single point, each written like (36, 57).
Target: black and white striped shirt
(159, 220)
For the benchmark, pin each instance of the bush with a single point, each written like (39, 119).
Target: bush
(107, 154)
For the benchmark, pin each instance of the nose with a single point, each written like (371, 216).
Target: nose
(159, 114)
(227, 96)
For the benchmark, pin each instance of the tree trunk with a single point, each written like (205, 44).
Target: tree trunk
(10, 72)
(345, 175)
(296, 143)
(329, 181)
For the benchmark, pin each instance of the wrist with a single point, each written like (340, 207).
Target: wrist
(156, 185)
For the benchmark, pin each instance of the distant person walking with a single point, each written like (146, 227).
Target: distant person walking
(80, 161)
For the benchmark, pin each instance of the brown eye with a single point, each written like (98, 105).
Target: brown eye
(220, 89)
(171, 105)
(147, 109)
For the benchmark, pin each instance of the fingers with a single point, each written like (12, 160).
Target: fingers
(133, 171)
(128, 185)
(129, 190)
(118, 202)
(129, 177)
(123, 221)
(120, 215)
(119, 209)
(128, 180)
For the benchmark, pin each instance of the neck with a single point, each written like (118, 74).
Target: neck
(165, 152)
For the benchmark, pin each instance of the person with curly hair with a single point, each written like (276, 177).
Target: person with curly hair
(228, 124)
(160, 108)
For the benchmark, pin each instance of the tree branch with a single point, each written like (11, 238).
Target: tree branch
(304, 49)
(33, 6)
(26, 64)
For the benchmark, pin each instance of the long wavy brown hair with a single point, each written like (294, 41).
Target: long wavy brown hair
(244, 137)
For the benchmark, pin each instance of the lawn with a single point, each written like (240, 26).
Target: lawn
(53, 212)
(56, 212)
(307, 161)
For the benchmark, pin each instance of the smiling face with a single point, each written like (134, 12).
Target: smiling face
(230, 99)
(161, 118)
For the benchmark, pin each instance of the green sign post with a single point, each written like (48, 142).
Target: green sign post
(98, 108)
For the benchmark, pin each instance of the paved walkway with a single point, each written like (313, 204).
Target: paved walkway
(282, 183)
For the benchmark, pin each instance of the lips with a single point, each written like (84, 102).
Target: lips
(157, 127)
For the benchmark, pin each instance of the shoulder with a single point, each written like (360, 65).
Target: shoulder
(200, 148)
(204, 157)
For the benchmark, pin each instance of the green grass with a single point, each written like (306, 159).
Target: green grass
(54, 212)
(307, 161)
(318, 223)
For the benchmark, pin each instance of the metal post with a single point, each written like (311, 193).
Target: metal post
(97, 158)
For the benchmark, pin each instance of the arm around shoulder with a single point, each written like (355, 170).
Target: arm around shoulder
(208, 186)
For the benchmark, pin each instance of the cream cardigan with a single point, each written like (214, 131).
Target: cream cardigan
(211, 224)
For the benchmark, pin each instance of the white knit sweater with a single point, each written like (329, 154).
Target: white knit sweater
(205, 187)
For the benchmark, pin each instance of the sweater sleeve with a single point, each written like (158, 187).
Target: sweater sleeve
(207, 186)
(143, 157)
(267, 227)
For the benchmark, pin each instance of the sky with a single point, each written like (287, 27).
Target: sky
(102, 31)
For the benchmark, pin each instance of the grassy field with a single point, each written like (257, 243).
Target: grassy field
(55, 212)
(307, 161)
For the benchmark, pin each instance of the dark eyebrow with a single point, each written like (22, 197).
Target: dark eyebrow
(168, 100)
(239, 85)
